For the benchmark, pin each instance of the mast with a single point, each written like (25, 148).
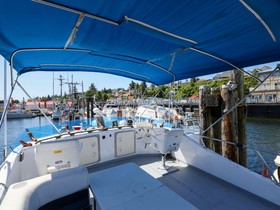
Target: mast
(72, 88)
(60, 79)
(83, 95)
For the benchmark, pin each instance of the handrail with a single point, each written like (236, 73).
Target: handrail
(245, 146)
(269, 170)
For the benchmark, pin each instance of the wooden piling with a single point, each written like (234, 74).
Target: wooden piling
(228, 150)
(215, 112)
(237, 77)
(204, 113)
(231, 128)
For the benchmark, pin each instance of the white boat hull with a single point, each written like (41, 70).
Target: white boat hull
(103, 147)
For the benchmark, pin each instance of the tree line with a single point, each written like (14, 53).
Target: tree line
(181, 89)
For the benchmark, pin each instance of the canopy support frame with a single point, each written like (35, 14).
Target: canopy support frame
(75, 30)
(159, 30)
(145, 78)
(260, 19)
(97, 67)
(8, 102)
(75, 11)
(172, 61)
(220, 59)
(164, 69)
(5, 117)
(13, 87)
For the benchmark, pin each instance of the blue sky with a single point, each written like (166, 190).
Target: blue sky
(41, 83)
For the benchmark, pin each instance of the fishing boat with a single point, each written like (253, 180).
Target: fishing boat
(134, 166)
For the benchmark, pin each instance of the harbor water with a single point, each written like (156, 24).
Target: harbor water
(262, 135)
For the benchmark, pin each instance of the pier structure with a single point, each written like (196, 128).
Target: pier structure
(222, 119)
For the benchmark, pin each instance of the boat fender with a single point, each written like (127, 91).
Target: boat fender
(277, 161)
(265, 171)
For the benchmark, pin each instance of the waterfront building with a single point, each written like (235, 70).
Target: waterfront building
(269, 91)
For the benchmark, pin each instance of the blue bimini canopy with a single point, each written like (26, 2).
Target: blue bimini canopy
(158, 41)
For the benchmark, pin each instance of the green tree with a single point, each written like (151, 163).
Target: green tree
(143, 87)
(132, 85)
(161, 91)
(152, 86)
(105, 97)
(98, 95)
(249, 82)
(91, 91)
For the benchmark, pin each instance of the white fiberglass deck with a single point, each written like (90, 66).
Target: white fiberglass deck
(127, 185)
(198, 188)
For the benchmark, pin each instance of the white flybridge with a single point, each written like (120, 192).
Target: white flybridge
(121, 167)
(140, 165)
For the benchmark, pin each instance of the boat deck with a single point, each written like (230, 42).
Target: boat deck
(201, 189)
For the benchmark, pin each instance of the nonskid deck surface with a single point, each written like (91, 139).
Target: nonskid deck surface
(201, 189)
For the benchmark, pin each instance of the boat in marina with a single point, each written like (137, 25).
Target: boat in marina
(18, 114)
(56, 115)
(15, 112)
(160, 115)
(136, 165)
(110, 110)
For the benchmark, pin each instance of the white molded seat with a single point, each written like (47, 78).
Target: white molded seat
(34, 193)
